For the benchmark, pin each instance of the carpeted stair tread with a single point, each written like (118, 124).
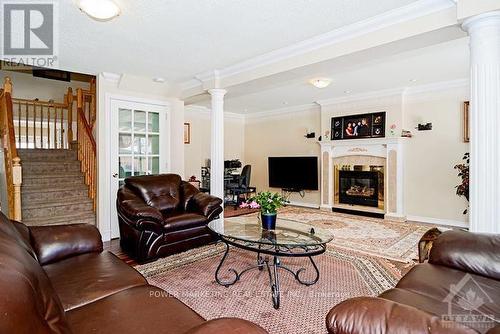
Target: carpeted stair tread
(57, 188)
(56, 203)
(53, 189)
(87, 217)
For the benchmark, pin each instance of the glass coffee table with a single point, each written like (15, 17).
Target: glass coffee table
(289, 239)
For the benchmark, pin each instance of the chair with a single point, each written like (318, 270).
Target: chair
(160, 215)
(242, 187)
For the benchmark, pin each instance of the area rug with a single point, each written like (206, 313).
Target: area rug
(372, 236)
(190, 277)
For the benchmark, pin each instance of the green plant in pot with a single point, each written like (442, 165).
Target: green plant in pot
(268, 203)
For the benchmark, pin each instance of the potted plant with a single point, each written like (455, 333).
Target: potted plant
(269, 203)
(463, 173)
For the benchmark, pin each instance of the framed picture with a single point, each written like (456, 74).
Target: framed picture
(187, 133)
(466, 122)
(358, 126)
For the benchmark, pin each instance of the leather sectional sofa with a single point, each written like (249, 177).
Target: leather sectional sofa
(457, 291)
(57, 279)
(160, 215)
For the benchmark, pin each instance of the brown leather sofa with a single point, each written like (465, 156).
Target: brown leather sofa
(160, 215)
(457, 291)
(57, 279)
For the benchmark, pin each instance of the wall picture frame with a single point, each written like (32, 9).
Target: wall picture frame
(466, 125)
(358, 126)
(187, 133)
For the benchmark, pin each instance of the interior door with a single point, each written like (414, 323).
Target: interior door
(139, 145)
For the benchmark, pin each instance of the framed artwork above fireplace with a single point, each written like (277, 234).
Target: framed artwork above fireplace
(358, 126)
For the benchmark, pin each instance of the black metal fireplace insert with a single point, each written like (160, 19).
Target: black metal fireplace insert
(359, 187)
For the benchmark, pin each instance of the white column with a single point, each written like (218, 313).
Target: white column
(217, 143)
(484, 206)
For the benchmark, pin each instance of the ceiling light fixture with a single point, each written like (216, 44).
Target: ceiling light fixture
(320, 82)
(159, 80)
(347, 92)
(413, 80)
(100, 10)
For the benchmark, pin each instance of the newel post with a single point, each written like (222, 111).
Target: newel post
(69, 103)
(7, 85)
(17, 180)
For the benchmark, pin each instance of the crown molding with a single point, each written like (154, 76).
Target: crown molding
(437, 86)
(110, 77)
(406, 13)
(281, 111)
(205, 112)
(363, 96)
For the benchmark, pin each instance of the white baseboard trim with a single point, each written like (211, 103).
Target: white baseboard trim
(304, 205)
(438, 221)
(105, 235)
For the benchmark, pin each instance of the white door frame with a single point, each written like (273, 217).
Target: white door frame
(104, 153)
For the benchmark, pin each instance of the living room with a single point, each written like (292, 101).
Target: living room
(297, 162)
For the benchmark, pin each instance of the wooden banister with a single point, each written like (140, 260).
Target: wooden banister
(13, 169)
(86, 147)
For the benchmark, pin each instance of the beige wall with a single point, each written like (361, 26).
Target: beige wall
(281, 135)
(198, 150)
(430, 155)
(26, 86)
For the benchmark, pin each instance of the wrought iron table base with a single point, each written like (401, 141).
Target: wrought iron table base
(272, 269)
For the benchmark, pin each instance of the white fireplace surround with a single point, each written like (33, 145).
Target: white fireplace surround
(389, 149)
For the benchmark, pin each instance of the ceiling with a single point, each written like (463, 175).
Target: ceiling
(434, 57)
(177, 39)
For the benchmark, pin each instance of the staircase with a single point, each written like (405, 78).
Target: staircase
(53, 189)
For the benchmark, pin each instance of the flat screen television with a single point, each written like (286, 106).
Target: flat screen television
(293, 173)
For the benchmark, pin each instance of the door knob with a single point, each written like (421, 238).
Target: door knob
(115, 175)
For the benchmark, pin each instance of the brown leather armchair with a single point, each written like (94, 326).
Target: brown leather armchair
(457, 291)
(160, 215)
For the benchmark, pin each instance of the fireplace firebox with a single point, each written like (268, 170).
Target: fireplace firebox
(359, 187)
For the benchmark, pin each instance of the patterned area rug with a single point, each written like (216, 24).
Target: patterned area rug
(190, 277)
(372, 236)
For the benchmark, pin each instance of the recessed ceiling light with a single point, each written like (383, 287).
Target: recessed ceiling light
(159, 80)
(320, 82)
(101, 10)
(347, 91)
(413, 80)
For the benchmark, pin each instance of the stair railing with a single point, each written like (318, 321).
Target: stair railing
(86, 144)
(42, 124)
(12, 162)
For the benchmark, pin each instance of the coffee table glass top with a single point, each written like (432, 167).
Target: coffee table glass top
(287, 232)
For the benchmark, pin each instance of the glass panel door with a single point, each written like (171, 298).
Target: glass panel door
(138, 142)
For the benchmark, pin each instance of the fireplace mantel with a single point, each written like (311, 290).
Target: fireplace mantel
(390, 149)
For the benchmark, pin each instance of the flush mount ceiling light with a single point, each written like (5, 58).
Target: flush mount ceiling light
(101, 10)
(320, 82)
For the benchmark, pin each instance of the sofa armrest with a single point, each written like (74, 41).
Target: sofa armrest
(58, 242)
(376, 315)
(136, 210)
(470, 252)
(205, 204)
(227, 325)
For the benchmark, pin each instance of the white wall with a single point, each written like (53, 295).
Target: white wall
(198, 150)
(281, 135)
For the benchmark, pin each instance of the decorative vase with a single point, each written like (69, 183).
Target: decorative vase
(268, 220)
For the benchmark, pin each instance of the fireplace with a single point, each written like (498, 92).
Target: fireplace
(360, 187)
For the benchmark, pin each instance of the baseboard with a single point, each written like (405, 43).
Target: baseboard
(304, 205)
(438, 221)
(105, 235)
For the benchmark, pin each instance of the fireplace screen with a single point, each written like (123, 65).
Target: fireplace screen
(359, 187)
